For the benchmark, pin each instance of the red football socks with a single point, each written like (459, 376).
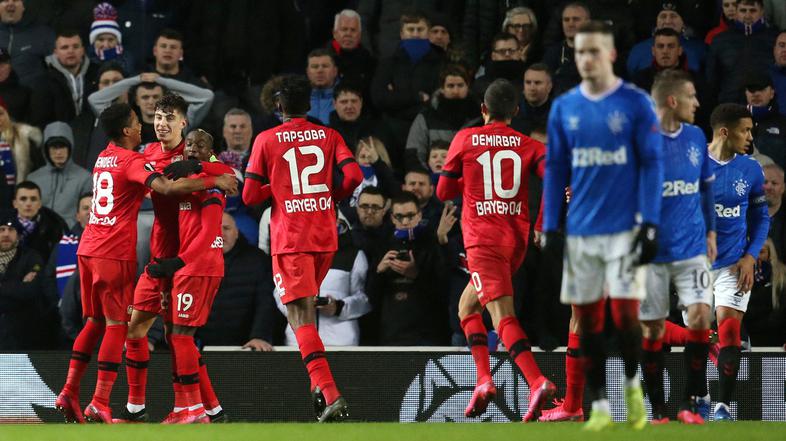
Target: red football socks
(729, 333)
(209, 397)
(574, 371)
(137, 359)
(675, 335)
(109, 357)
(83, 348)
(177, 390)
(313, 352)
(477, 339)
(520, 350)
(187, 369)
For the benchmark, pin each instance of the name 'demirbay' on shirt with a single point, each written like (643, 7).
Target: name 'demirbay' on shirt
(120, 181)
(686, 167)
(495, 162)
(740, 208)
(299, 158)
(607, 148)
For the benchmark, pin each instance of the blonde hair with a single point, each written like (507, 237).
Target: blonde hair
(778, 273)
(377, 145)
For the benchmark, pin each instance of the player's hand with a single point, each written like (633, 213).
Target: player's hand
(148, 77)
(181, 169)
(568, 194)
(712, 247)
(257, 344)
(164, 268)
(165, 300)
(384, 264)
(537, 238)
(646, 243)
(744, 270)
(406, 268)
(550, 243)
(30, 276)
(228, 183)
(446, 222)
(330, 308)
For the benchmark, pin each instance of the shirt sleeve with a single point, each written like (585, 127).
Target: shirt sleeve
(649, 148)
(137, 171)
(557, 171)
(256, 163)
(758, 216)
(212, 210)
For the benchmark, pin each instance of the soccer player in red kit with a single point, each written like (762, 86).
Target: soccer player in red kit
(493, 161)
(107, 257)
(196, 274)
(299, 159)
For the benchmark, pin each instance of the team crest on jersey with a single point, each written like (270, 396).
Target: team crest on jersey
(741, 186)
(150, 166)
(693, 155)
(177, 158)
(616, 122)
(573, 123)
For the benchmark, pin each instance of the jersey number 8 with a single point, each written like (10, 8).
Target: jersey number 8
(492, 174)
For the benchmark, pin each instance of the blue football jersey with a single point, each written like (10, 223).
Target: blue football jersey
(682, 233)
(608, 149)
(739, 196)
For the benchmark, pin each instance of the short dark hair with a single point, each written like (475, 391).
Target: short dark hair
(372, 191)
(82, 196)
(114, 119)
(418, 170)
(453, 70)
(413, 16)
(67, 33)
(110, 66)
(321, 52)
(540, 67)
(405, 197)
(665, 32)
(576, 4)
(170, 34)
(439, 145)
(501, 99)
(171, 102)
(503, 36)
(728, 115)
(596, 27)
(294, 96)
(347, 87)
(667, 82)
(27, 185)
(750, 2)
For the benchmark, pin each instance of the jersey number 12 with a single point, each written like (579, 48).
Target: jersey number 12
(300, 184)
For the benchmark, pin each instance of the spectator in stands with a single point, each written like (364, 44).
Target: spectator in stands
(778, 71)
(355, 63)
(667, 53)
(16, 152)
(418, 182)
(243, 312)
(381, 19)
(27, 303)
(322, 73)
(406, 285)
(372, 228)
(404, 81)
(342, 295)
(773, 192)
(769, 126)
(504, 62)
(66, 275)
(238, 136)
(437, 153)
(746, 46)
(775, 12)
(42, 228)
(61, 181)
(106, 39)
(149, 88)
(168, 55)
(670, 16)
(560, 57)
(90, 142)
(439, 32)
(348, 118)
(523, 24)
(727, 17)
(61, 94)
(536, 101)
(765, 320)
(373, 159)
(12, 92)
(450, 108)
(27, 41)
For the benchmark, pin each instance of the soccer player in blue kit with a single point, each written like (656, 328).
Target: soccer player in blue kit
(605, 143)
(742, 225)
(686, 247)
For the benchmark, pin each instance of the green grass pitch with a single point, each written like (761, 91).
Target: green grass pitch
(737, 431)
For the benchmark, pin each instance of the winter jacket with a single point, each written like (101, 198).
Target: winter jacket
(381, 22)
(48, 231)
(60, 95)
(16, 153)
(778, 75)
(321, 104)
(244, 307)
(355, 66)
(28, 43)
(769, 133)
(16, 97)
(640, 56)
(560, 58)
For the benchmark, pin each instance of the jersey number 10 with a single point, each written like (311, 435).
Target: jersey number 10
(300, 184)
(492, 174)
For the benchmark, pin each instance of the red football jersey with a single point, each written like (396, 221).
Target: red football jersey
(495, 162)
(299, 158)
(164, 235)
(201, 242)
(120, 181)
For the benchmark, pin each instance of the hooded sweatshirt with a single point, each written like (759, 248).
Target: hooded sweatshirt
(61, 187)
(76, 83)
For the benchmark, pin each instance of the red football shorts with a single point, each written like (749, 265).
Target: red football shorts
(107, 287)
(192, 298)
(492, 268)
(147, 295)
(299, 275)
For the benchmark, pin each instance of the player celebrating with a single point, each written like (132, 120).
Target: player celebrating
(492, 160)
(604, 144)
(739, 196)
(299, 159)
(107, 257)
(196, 274)
(687, 240)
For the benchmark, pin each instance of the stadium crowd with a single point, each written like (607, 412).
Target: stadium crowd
(397, 83)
